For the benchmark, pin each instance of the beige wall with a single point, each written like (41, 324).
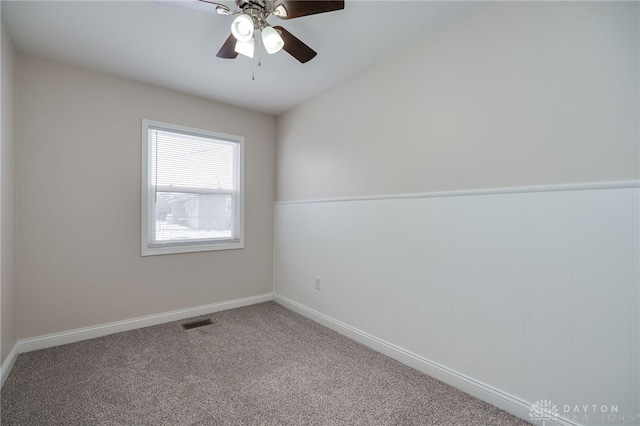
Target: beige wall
(78, 202)
(515, 94)
(7, 202)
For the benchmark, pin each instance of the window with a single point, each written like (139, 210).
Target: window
(192, 190)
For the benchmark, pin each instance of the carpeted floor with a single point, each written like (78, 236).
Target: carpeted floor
(258, 365)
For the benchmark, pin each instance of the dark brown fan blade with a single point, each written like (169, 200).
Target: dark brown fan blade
(295, 47)
(227, 51)
(289, 9)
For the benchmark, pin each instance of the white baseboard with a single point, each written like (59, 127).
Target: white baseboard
(493, 396)
(57, 339)
(7, 365)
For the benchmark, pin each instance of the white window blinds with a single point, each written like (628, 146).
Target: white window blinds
(193, 189)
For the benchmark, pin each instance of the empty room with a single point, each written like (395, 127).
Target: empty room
(276, 212)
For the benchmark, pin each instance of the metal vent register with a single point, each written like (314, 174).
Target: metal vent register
(196, 324)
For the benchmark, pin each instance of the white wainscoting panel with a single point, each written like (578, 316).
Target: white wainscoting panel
(547, 296)
(601, 301)
(534, 295)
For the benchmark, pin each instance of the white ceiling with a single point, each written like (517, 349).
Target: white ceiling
(175, 47)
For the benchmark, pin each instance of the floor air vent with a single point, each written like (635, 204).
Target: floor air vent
(195, 324)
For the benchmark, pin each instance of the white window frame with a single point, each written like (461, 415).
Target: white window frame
(149, 249)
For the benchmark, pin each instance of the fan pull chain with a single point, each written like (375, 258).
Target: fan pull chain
(253, 61)
(259, 48)
(253, 68)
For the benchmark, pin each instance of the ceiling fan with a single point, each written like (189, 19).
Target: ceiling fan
(252, 18)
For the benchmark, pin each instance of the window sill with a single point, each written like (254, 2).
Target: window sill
(190, 248)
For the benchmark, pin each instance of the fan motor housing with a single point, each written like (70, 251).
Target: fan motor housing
(253, 4)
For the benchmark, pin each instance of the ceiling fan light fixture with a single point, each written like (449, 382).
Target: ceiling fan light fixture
(246, 48)
(242, 28)
(272, 41)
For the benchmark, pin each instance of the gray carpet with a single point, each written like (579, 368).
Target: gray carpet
(258, 365)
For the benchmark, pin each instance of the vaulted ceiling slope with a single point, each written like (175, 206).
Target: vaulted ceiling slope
(175, 47)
